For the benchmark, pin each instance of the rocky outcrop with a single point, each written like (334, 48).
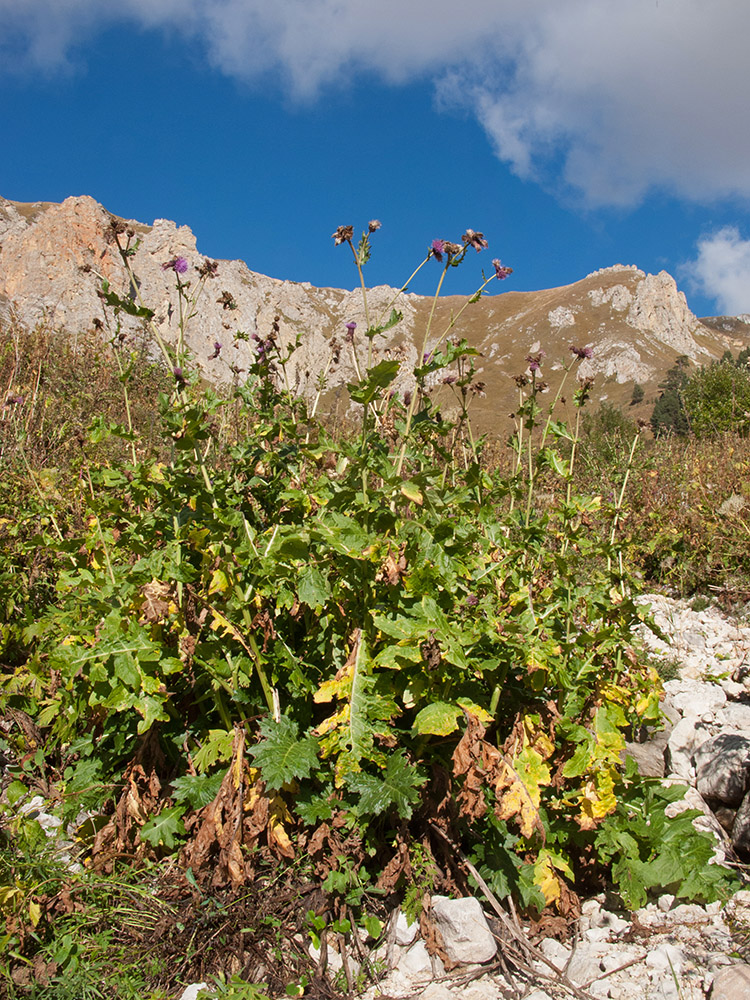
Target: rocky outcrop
(54, 257)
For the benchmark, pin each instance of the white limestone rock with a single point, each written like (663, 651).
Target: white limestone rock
(466, 935)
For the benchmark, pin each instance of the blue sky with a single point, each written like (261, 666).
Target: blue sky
(574, 134)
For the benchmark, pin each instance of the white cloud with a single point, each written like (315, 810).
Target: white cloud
(722, 270)
(609, 98)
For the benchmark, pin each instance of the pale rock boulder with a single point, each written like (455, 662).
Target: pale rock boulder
(466, 935)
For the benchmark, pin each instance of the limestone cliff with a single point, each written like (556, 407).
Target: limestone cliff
(54, 256)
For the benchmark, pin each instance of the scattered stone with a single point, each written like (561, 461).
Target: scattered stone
(437, 992)
(649, 756)
(722, 768)
(405, 932)
(466, 934)
(416, 960)
(741, 827)
(191, 992)
(732, 983)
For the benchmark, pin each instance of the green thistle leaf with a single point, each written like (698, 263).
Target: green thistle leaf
(282, 756)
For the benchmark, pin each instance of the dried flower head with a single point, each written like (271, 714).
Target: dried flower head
(476, 240)
(582, 352)
(343, 235)
(226, 300)
(478, 388)
(501, 272)
(452, 249)
(450, 379)
(117, 227)
(521, 380)
(208, 269)
(373, 225)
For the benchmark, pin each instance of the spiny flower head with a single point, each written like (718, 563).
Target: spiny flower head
(535, 361)
(501, 272)
(437, 248)
(343, 234)
(582, 352)
(177, 264)
(476, 240)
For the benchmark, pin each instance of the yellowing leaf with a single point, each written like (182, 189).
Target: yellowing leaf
(597, 799)
(278, 838)
(546, 879)
(9, 893)
(471, 706)
(438, 719)
(518, 790)
(219, 622)
(545, 875)
(412, 492)
(35, 913)
(336, 687)
(219, 582)
(328, 725)
(197, 537)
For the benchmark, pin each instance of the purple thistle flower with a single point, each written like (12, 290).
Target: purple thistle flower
(217, 351)
(501, 272)
(427, 357)
(407, 398)
(438, 247)
(450, 379)
(177, 264)
(472, 600)
(351, 326)
(582, 352)
(179, 377)
(14, 401)
(535, 361)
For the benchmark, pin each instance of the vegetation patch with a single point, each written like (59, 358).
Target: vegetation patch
(350, 670)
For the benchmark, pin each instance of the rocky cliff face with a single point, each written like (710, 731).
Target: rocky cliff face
(53, 258)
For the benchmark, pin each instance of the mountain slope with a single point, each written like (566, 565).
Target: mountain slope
(53, 257)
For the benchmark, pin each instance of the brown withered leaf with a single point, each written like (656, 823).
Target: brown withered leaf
(477, 759)
(324, 848)
(157, 597)
(398, 865)
(263, 623)
(140, 798)
(217, 841)
(432, 937)
(431, 653)
(393, 569)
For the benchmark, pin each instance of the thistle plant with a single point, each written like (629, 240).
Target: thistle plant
(371, 634)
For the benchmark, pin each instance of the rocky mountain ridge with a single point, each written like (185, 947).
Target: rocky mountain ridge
(54, 256)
